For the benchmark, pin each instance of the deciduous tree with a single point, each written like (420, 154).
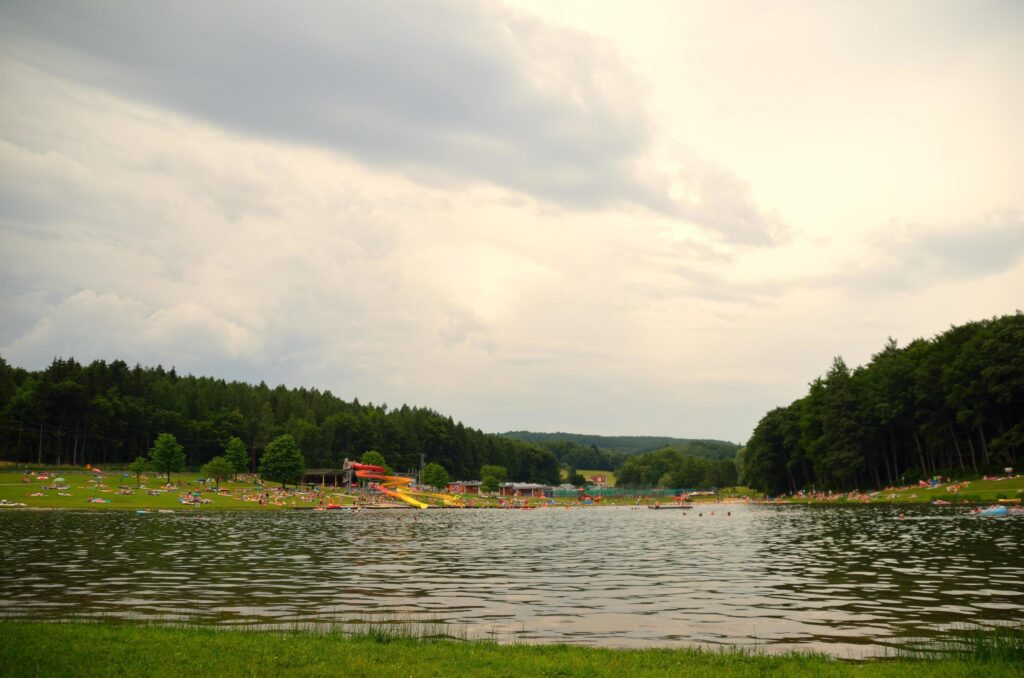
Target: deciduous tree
(499, 473)
(282, 461)
(372, 457)
(434, 475)
(236, 455)
(138, 467)
(167, 455)
(218, 468)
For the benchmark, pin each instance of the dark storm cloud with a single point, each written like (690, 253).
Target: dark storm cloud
(436, 90)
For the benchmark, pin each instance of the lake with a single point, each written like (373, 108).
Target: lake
(850, 581)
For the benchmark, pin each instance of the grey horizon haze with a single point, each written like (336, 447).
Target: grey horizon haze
(540, 216)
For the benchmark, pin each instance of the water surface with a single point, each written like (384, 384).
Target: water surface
(850, 581)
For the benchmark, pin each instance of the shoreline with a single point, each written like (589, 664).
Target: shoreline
(49, 490)
(372, 507)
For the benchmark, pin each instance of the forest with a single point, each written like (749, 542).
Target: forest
(676, 467)
(949, 405)
(103, 413)
(575, 455)
(621, 447)
(644, 461)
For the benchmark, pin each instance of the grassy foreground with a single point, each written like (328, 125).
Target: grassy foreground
(81, 649)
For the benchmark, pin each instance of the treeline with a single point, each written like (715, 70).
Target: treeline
(954, 403)
(103, 413)
(575, 455)
(620, 447)
(676, 468)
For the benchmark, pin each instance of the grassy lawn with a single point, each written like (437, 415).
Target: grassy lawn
(240, 495)
(739, 492)
(77, 649)
(610, 475)
(974, 490)
(957, 492)
(83, 485)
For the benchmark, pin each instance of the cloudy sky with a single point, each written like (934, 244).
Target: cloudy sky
(618, 218)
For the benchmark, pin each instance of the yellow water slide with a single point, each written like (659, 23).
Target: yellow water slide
(389, 485)
(449, 500)
(401, 495)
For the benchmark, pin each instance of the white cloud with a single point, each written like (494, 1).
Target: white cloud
(189, 327)
(464, 92)
(94, 324)
(88, 326)
(172, 229)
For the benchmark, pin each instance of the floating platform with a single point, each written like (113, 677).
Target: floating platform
(663, 507)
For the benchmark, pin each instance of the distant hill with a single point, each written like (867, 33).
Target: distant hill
(632, 445)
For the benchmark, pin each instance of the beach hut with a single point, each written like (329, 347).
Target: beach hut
(525, 490)
(331, 477)
(464, 487)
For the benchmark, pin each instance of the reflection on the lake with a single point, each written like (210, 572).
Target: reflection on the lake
(848, 581)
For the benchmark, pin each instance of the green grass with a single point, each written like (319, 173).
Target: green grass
(13, 489)
(985, 491)
(588, 474)
(739, 492)
(610, 475)
(92, 649)
(83, 486)
(1001, 644)
(974, 491)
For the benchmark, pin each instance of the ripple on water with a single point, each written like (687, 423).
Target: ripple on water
(845, 581)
